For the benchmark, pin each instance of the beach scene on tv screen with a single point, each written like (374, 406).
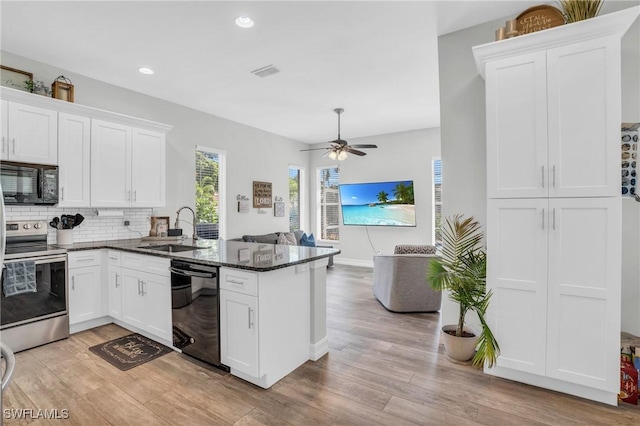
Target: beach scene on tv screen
(378, 203)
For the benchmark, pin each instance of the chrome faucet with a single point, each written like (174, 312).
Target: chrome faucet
(177, 224)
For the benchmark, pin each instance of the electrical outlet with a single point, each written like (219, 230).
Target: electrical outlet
(126, 223)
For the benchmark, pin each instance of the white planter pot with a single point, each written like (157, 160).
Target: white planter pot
(459, 348)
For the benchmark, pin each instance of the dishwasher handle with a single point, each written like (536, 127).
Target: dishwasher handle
(186, 273)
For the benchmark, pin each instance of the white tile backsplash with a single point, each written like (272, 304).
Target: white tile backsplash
(93, 228)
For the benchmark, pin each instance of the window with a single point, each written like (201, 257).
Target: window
(437, 202)
(296, 185)
(329, 204)
(209, 192)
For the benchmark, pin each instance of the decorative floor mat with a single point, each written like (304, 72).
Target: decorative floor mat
(129, 351)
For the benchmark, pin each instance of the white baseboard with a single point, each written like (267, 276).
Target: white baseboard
(319, 349)
(353, 262)
(86, 325)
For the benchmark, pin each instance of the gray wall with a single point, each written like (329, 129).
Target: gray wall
(462, 116)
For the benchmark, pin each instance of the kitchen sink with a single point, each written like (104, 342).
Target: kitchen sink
(173, 248)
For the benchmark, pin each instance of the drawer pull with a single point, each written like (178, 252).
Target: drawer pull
(235, 282)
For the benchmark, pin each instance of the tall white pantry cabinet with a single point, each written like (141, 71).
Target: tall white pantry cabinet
(553, 105)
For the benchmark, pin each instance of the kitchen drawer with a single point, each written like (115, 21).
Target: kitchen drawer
(151, 264)
(84, 258)
(114, 258)
(239, 281)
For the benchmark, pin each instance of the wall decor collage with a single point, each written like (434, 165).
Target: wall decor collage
(629, 158)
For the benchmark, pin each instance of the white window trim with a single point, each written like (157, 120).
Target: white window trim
(302, 190)
(222, 188)
(319, 207)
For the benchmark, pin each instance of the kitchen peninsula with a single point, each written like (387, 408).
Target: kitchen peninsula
(272, 297)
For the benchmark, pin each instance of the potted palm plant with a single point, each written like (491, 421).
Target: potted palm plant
(461, 269)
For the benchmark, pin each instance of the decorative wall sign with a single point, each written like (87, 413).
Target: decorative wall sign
(262, 194)
(278, 209)
(539, 18)
(243, 204)
(16, 79)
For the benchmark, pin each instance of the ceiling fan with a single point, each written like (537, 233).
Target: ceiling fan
(339, 148)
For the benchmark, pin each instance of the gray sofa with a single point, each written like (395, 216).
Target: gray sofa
(272, 238)
(400, 280)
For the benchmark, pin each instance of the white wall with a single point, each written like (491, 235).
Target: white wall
(462, 117)
(252, 154)
(399, 156)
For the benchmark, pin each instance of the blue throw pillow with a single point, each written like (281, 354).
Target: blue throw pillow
(308, 240)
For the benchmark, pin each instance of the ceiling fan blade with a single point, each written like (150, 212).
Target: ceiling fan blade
(366, 145)
(354, 151)
(339, 142)
(313, 149)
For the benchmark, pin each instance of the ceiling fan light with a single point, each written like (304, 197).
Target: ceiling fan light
(342, 156)
(333, 155)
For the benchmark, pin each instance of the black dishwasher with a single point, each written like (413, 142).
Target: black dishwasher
(195, 307)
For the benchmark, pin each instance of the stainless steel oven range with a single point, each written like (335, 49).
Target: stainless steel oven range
(34, 301)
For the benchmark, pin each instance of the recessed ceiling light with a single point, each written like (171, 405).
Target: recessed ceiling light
(147, 71)
(244, 22)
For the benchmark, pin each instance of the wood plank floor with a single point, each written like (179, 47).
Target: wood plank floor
(382, 369)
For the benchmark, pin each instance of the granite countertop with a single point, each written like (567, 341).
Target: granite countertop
(234, 254)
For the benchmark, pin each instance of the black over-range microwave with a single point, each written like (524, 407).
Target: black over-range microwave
(24, 183)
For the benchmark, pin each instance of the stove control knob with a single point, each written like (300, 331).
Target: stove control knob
(26, 226)
(37, 225)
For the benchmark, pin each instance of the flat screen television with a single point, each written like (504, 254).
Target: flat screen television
(378, 203)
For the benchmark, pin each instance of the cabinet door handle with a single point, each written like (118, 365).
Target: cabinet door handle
(128, 195)
(135, 195)
(543, 176)
(3, 144)
(117, 276)
(113, 258)
(14, 145)
(142, 287)
(139, 288)
(543, 219)
(249, 310)
(62, 193)
(235, 282)
(554, 176)
(73, 283)
(554, 218)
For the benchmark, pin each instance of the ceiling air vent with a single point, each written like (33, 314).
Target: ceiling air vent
(265, 71)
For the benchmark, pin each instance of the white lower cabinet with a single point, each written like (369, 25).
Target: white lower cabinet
(260, 315)
(146, 297)
(114, 283)
(554, 268)
(240, 333)
(85, 286)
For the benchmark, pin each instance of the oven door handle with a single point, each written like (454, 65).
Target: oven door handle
(40, 260)
(191, 273)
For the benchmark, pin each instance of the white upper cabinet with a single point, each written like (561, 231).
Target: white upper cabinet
(74, 146)
(110, 164)
(550, 128)
(148, 163)
(517, 127)
(127, 166)
(584, 103)
(105, 159)
(29, 134)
